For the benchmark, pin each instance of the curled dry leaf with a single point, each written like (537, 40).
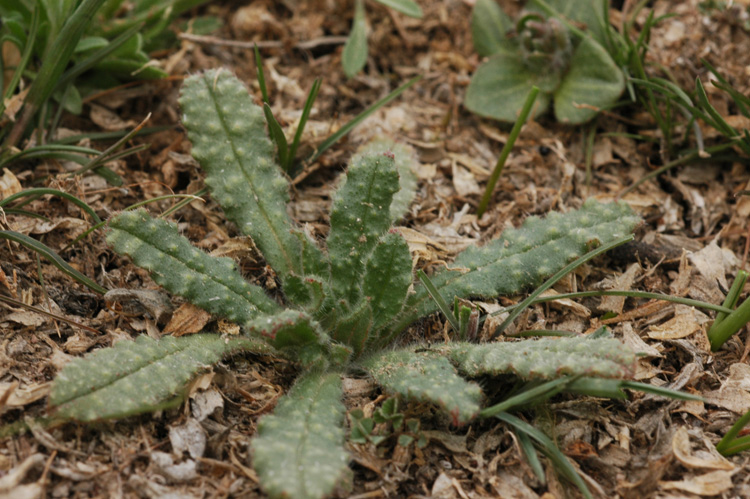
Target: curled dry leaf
(9, 184)
(702, 459)
(710, 484)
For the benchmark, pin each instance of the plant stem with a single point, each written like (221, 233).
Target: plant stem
(515, 131)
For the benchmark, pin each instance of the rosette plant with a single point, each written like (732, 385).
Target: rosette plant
(543, 48)
(341, 305)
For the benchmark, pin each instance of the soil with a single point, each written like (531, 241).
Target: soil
(693, 242)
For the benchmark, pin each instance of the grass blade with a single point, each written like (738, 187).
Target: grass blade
(52, 257)
(335, 137)
(559, 275)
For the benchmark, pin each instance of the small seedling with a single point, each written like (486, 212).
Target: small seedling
(354, 56)
(341, 306)
(569, 66)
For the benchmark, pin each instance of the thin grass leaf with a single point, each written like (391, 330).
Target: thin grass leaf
(507, 147)
(730, 440)
(55, 60)
(556, 277)
(532, 457)
(548, 447)
(531, 396)
(35, 193)
(335, 137)
(733, 296)
(52, 257)
(277, 136)
(311, 96)
(441, 303)
(261, 75)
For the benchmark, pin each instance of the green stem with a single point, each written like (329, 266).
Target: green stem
(730, 325)
(729, 439)
(733, 296)
(441, 303)
(515, 131)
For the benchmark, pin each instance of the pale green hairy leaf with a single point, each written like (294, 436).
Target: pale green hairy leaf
(211, 283)
(299, 449)
(138, 376)
(426, 377)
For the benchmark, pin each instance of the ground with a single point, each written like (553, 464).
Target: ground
(692, 243)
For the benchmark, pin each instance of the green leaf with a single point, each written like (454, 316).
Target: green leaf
(489, 24)
(587, 12)
(523, 257)
(426, 377)
(137, 376)
(354, 56)
(230, 143)
(408, 7)
(292, 333)
(546, 358)
(357, 221)
(210, 283)
(355, 329)
(499, 87)
(593, 81)
(406, 164)
(387, 278)
(299, 449)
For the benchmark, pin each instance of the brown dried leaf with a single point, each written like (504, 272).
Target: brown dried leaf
(187, 319)
(109, 120)
(9, 184)
(710, 484)
(685, 322)
(702, 459)
(623, 282)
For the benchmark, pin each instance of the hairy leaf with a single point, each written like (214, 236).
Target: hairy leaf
(546, 358)
(210, 283)
(137, 376)
(403, 156)
(387, 278)
(426, 377)
(293, 333)
(357, 221)
(230, 143)
(299, 449)
(522, 257)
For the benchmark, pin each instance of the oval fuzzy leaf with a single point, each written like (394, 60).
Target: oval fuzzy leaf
(299, 449)
(547, 358)
(354, 56)
(593, 82)
(499, 88)
(407, 7)
(426, 377)
(586, 12)
(489, 24)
